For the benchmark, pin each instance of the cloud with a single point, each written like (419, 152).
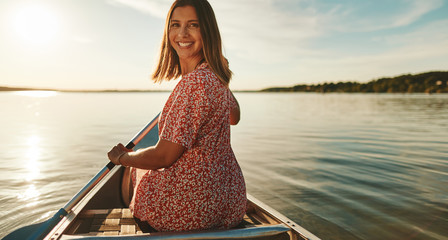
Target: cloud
(429, 35)
(417, 9)
(411, 52)
(263, 32)
(276, 32)
(157, 8)
(424, 43)
(367, 16)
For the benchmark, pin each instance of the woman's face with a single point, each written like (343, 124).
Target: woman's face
(185, 34)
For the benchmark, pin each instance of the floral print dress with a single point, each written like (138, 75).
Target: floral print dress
(205, 187)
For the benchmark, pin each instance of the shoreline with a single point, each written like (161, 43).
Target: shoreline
(4, 89)
(17, 89)
(428, 82)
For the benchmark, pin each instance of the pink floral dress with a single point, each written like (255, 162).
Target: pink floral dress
(205, 187)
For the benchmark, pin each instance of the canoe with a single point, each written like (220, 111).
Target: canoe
(100, 211)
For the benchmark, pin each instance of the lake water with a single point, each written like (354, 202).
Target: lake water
(344, 166)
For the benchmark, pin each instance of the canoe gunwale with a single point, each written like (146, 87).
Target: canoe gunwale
(245, 233)
(299, 230)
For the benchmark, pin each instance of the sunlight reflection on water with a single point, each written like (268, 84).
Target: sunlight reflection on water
(32, 156)
(29, 194)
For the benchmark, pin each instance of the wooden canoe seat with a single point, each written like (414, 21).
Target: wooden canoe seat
(121, 222)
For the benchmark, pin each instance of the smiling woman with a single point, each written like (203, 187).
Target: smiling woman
(35, 24)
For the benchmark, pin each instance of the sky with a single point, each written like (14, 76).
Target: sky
(114, 44)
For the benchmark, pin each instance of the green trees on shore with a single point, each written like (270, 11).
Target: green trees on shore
(429, 82)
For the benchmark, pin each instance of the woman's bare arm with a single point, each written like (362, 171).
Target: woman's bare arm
(162, 155)
(235, 112)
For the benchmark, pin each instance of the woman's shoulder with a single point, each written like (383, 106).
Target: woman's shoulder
(203, 78)
(201, 75)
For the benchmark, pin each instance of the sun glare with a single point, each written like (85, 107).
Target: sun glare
(29, 194)
(36, 24)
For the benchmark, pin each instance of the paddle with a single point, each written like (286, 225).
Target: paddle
(40, 230)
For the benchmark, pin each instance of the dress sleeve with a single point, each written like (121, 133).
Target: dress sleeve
(186, 115)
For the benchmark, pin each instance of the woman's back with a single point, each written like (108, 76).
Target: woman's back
(205, 187)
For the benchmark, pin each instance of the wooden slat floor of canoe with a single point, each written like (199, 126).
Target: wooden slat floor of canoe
(117, 221)
(120, 221)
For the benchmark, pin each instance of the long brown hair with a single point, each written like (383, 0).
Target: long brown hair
(169, 67)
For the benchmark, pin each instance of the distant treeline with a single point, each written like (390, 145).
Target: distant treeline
(14, 89)
(429, 82)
